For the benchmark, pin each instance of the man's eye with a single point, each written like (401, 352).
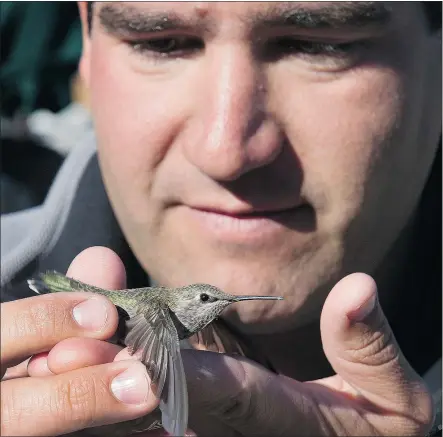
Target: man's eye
(172, 46)
(287, 46)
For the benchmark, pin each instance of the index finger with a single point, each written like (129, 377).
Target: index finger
(36, 324)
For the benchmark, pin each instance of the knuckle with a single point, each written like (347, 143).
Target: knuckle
(421, 410)
(51, 317)
(15, 408)
(374, 348)
(51, 408)
(46, 318)
(76, 400)
(239, 407)
(8, 416)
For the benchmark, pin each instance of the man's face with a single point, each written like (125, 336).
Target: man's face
(265, 148)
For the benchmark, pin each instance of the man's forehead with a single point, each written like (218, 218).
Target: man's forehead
(151, 16)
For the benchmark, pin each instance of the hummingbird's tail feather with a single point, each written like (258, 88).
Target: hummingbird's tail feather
(38, 286)
(54, 282)
(175, 407)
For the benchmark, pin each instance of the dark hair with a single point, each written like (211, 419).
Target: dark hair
(433, 12)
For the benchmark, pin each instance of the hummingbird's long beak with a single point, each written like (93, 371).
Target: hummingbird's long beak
(242, 298)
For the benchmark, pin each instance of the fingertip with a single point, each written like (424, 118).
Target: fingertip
(124, 355)
(133, 385)
(351, 299)
(99, 266)
(75, 353)
(38, 365)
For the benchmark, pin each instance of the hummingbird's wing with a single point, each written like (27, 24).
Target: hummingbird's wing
(217, 337)
(153, 337)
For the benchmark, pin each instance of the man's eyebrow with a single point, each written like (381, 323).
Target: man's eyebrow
(352, 14)
(119, 18)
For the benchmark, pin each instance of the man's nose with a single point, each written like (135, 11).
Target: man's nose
(231, 132)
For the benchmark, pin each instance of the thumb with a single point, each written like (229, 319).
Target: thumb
(361, 347)
(99, 266)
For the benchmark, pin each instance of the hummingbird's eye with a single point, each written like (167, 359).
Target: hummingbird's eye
(204, 297)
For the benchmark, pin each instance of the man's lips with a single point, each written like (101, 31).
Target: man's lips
(250, 226)
(247, 213)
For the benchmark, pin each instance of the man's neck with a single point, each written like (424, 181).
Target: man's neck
(297, 354)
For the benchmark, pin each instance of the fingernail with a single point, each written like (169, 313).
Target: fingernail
(132, 386)
(91, 314)
(362, 312)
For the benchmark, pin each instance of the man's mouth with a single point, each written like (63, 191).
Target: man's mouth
(251, 225)
(248, 213)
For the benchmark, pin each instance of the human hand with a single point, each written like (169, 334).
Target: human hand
(37, 398)
(375, 391)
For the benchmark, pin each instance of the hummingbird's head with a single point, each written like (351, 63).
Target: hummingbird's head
(197, 305)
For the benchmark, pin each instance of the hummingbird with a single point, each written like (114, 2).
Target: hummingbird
(155, 320)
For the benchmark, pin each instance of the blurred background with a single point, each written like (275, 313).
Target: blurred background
(43, 104)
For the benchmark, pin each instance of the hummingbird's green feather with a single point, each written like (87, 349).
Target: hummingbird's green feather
(132, 301)
(53, 282)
